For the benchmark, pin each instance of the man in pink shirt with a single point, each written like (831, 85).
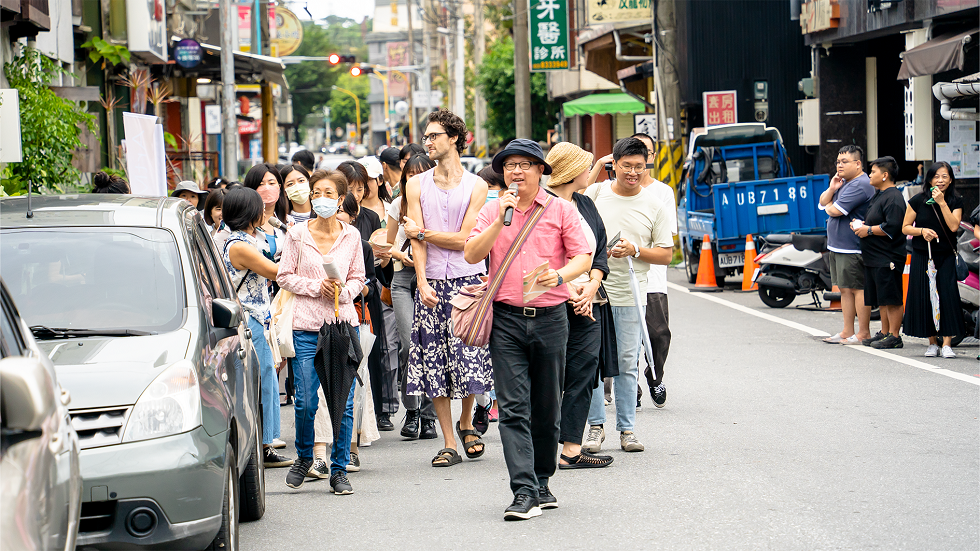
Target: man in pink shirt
(527, 340)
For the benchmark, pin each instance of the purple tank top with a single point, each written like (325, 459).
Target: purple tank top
(443, 210)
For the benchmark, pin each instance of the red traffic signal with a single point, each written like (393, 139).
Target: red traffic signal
(334, 59)
(357, 70)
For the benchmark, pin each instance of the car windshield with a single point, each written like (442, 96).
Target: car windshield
(97, 279)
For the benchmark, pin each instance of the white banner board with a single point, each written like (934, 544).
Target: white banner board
(145, 159)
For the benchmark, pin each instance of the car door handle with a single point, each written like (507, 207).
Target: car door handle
(248, 333)
(241, 353)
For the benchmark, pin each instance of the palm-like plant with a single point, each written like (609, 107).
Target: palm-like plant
(159, 93)
(138, 82)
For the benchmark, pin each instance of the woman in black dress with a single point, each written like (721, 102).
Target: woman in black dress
(932, 219)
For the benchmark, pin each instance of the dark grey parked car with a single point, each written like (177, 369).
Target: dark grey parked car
(128, 297)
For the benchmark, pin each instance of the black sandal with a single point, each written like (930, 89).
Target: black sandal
(447, 457)
(472, 443)
(585, 460)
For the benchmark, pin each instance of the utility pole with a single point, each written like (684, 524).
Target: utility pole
(411, 76)
(479, 103)
(460, 68)
(229, 124)
(522, 72)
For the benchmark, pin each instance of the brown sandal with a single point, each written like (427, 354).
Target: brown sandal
(447, 457)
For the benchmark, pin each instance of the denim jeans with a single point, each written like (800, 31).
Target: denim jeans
(306, 401)
(270, 383)
(629, 340)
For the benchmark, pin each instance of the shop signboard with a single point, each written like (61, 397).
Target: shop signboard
(615, 11)
(289, 33)
(549, 35)
(146, 26)
(720, 108)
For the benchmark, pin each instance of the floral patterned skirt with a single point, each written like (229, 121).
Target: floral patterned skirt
(439, 364)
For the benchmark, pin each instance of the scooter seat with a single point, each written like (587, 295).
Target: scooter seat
(779, 238)
(815, 243)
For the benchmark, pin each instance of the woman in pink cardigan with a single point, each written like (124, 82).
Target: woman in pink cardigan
(301, 272)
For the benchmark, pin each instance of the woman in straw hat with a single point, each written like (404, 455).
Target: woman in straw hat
(570, 172)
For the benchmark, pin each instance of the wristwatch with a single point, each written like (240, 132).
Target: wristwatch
(560, 280)
(635, 248)
(421, 235)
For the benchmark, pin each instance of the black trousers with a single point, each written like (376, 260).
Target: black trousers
(659, 329)
(528, 371)
(581, 372)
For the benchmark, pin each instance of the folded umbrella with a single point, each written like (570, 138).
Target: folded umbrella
(338, 354)
(635, 287)
(933, 290)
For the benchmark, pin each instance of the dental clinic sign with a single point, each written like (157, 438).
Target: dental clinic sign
(549, 35)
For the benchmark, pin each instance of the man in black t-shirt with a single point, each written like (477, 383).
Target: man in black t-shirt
(883, 249)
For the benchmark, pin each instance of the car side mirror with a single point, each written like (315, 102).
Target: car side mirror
(26, 393)
(227, 314)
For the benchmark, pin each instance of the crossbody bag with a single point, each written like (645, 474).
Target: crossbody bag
(472, 314)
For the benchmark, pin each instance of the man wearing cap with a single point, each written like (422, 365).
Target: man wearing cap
(188, 191)
(391, 163)
(528, 339)
(642, 222)
(442, 208)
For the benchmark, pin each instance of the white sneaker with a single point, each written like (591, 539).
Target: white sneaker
(278, 444)
(593, 442)
(932, 351)
(948, 352)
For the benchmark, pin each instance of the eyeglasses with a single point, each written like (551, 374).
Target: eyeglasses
(633, 169)
(525, 165)
(431, 136)
(840, 162)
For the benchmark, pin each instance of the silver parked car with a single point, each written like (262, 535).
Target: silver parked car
(128, 297)
(40, 486)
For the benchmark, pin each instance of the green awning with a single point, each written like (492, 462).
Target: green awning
(603, 104)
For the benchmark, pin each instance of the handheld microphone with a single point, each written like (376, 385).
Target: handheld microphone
(275, 223)
(509, 213)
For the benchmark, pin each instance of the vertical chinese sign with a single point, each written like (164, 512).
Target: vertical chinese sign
(549, 35)
(397, 57)
(719, 108)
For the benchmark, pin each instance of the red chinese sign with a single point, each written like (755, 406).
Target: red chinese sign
(719, 108)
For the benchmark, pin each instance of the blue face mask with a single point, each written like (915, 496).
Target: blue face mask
(324, 207)
(493, 194)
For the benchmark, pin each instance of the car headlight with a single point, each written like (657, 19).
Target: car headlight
(170, 405)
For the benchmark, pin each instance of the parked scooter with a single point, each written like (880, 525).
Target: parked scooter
(969, 288)
(792, 265)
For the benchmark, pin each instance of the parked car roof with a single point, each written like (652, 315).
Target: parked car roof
(90, 209)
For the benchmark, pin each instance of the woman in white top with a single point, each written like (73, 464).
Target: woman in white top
(419, 417)
(296, 183)
(264, 178)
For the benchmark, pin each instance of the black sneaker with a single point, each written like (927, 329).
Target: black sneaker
(481, 418)
(411, 427)
(891, 341)
(384, 423)
(297, 473)
(639, 406)
(319, 469)
(659, 395)
(523, 508)
(878, 336)
(428, 429)
(546, 499)
(274, 459)
(340, 485)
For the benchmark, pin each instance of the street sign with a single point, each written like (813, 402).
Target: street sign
(549, 35)
(433, 100)
(720, 108)
(614, 11)
(10, 141)
(212, 119)
(645, 123)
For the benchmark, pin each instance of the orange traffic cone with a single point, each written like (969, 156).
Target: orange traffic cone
(706, 282)
(905, 278)
(835, 304)
(750, 266)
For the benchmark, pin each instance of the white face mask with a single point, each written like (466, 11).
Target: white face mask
(299, 193)
(325, 207)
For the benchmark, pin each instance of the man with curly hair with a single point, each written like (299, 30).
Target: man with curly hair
(442, 207)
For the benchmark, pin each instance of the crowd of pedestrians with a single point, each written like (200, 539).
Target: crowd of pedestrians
(559, 271)
(869, 220)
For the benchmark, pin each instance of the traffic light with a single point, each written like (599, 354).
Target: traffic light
(337, 58)
(358, 70)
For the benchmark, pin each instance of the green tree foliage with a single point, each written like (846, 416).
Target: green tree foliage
(342, 105)
(49, 125)
(496, 82)
(310, 81)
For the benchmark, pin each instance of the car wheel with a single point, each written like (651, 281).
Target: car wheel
(775, 297)
(253, 481)
(227, 537)
(692, 273)
(957, 340)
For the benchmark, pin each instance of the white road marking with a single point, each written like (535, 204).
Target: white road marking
(818, 333)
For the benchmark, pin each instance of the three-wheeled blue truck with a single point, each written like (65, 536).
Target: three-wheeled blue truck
(739, 181)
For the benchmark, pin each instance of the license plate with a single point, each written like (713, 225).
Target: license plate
(731, 260)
